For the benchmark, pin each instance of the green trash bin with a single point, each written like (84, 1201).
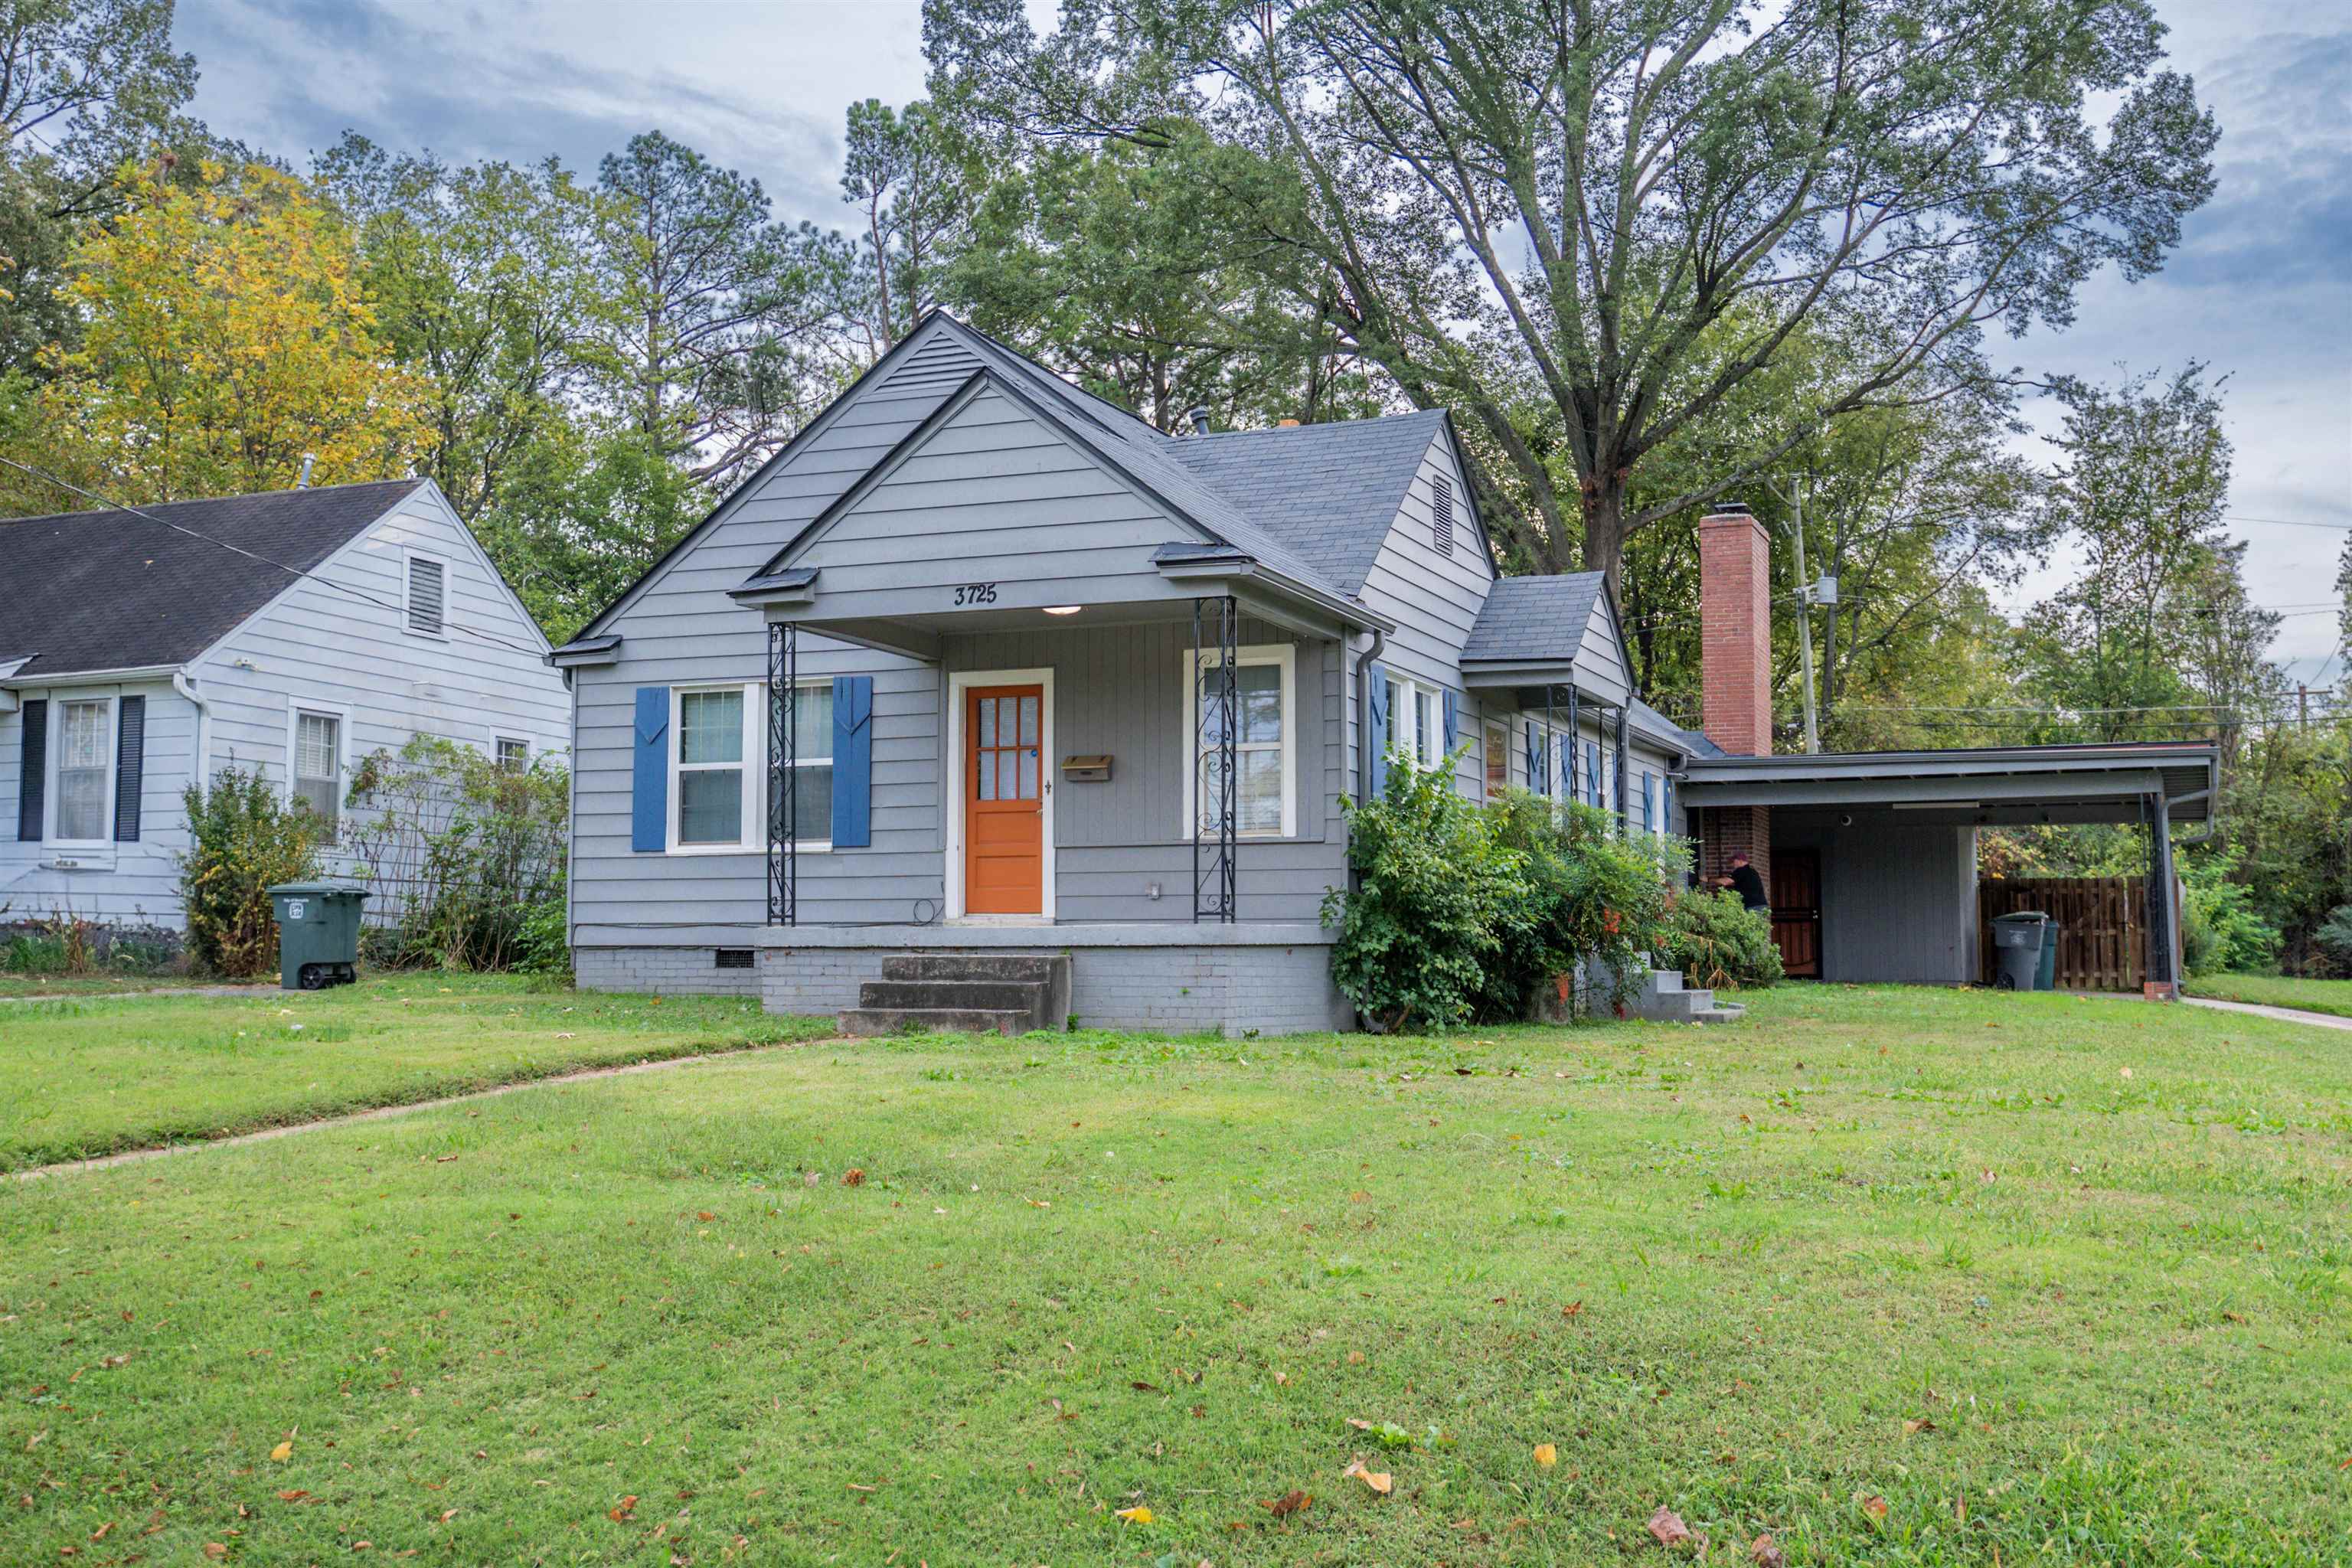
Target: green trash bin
(2046, 977)
(2017, 949)
(318, 934)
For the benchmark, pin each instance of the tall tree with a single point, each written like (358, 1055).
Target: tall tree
(226, 335)
(901, 174)
(721, 309)
(1539, 211)
(486, 284)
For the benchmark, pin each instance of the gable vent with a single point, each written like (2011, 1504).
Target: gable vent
(731, 958)
(427, 595)
(1442, 534)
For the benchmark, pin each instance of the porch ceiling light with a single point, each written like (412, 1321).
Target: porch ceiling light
(1063, 609)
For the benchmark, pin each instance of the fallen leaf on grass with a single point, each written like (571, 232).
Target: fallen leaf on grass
(1379, 1481)
(1574, 1308)
(102, 1530)
(1913, 1429)
(216, 1550)
(283, 1452)
(1139, 1514)
(625, 1510)
(1546, 1455)
(1286, 1505)
(1668, 1526)
(117, 1360)
(853, 1178)
(297, 1495)
(1874, 1506)
(1765, 1552)
(705, 1215)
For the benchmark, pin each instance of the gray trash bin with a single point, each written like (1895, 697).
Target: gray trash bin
(2017, 949)
(2046, 977)
(318, 934)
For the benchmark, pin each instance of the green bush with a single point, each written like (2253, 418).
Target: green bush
(242, 838)
(543, 941)
(2220, 931)
(1437, 896)
(1593, 891)
(2334, 936)
(1717, 942)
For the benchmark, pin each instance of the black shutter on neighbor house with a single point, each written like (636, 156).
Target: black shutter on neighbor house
(33, 771)
(130, 766)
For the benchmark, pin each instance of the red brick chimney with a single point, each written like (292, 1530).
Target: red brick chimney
(1735, 599)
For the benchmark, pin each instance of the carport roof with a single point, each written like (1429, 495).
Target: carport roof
(2002, 779)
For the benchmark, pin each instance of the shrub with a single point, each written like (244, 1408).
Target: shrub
(1437, 896)
(1593, 892)
(458, 849)
(543, 941)
(242, 838)
(1715, 941)
(2334, 935)
(2220, 933)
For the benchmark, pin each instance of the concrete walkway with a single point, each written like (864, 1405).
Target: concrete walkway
(130, 1156)
(2283, 1015)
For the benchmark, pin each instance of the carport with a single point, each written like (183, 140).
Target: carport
(1871, 857)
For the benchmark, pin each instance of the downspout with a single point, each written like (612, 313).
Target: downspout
(1364, 715)
(201, 773)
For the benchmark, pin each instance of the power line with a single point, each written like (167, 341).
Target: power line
(295, 572)
(2287, 522)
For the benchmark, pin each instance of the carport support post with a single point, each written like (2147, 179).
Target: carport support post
(2163, 914)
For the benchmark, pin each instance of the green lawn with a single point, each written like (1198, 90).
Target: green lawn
(2067, 1280)
(2277, 991)
(91, 1077)
(16, 985)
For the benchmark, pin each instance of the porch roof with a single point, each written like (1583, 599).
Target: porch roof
(2098, 782)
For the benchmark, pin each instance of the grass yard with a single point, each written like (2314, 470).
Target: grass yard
(16, 985)
(2277, 991)
(1902, 1277)
(79, 1079)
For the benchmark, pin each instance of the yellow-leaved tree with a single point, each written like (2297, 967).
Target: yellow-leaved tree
(225, 334)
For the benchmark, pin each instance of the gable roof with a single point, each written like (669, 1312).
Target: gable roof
(114, 590)
(1535, 618)
(1331, 493)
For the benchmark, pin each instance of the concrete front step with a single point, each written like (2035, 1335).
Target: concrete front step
(1002, 966)
(869, 1021)
(985, 995)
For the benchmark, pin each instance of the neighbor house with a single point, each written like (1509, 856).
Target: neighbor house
(289, 634)
(981, 673)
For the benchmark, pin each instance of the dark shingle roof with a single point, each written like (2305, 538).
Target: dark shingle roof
(1329, 491)
(112, 590)
(1690, 741)
(1535, 617)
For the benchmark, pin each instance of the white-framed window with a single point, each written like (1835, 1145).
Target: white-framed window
(81, 769)
(1265, 740)
(426, 595)
(1416, 722)
(718, 758)
(314, 752)
(511, 753)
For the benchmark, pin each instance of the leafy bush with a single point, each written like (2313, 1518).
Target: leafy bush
(1592, 893)
(458, 849)
(2334, 935)
(2220, 931)
(242, 838)
(1715, 941)
(543, 941)
(1437, 896)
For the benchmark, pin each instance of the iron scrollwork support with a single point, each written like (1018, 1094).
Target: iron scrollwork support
(1216, 791)
(784, 804)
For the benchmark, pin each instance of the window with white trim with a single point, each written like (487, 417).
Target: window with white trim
(84, 750)
(812, 763)
(1264, 742)
(427, 595)
(710, 772)
(1416, 722)
(513, 755)
(318, 772)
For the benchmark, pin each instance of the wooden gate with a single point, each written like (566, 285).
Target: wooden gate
(2102, 921)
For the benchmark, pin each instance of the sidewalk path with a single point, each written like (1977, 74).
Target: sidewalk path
(2285, 1015)
(378, 1113)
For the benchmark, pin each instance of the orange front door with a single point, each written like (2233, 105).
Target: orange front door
(1003, 803)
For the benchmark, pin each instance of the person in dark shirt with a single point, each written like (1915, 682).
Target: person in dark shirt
(1744, 881)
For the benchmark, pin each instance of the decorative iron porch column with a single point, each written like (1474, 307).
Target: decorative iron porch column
(1216, 789)
(1625, 822)
(783, 804)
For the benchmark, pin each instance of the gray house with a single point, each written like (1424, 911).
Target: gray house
(292, 633)
(982, 680)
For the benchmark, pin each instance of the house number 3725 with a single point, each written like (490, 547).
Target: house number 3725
(975, 593)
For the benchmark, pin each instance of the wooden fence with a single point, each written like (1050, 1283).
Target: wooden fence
(2102, 921)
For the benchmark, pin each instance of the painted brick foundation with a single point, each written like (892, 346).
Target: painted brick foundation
(1230, 988)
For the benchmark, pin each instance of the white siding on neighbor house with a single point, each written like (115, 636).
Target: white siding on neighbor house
(117, 884)
(314, 646)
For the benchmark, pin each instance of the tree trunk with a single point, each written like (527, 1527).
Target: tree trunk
(1604, 531)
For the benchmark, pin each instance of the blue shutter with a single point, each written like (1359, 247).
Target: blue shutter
(1649, 803)
(852, 761)
(1451, 708)
(1667, 801)
(649, 788)
(33, 770)
(130, 766)
(1378, 741)
(1538, 769)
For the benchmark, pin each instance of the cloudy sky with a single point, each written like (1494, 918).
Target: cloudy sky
(2261, 289)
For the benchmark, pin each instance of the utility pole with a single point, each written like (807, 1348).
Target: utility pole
(2303, 703)
(1804, 616)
